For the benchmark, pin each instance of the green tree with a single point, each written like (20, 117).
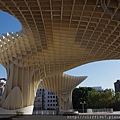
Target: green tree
(116, 103)
(103, 99)
(95, 99)
(80, 95)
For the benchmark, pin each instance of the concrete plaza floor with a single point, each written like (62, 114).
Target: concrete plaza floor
(35, 117)
(42, 117)
(80, 116)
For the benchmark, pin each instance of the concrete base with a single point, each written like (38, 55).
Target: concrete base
(89, 110)
(69, 112)
(26, 111)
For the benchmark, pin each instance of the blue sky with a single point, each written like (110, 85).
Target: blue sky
(8, 23)
(102, 73)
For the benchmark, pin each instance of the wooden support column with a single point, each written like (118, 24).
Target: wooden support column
(20, 88)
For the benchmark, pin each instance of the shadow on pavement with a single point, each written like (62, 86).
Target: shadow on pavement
(6, 118)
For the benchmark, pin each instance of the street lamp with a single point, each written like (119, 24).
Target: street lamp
(83, 103)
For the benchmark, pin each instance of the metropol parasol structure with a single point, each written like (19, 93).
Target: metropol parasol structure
(56, 35)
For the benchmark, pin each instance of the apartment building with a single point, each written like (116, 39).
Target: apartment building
(117, 86)
(98, 88)
(45, 100)
(2, 86)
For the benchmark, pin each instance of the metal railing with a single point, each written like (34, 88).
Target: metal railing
(102, 110)
(106, 110)
(77, 111)
(45, 112)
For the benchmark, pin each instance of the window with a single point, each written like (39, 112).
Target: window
(53, 100)
(48, 100)
(53, 96)
(53, 104)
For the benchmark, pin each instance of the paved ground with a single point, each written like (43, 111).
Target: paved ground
(81, 116)
(60, 117)
(36, 117)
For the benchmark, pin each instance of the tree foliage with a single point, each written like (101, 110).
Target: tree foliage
(95, 99)
(80, 95)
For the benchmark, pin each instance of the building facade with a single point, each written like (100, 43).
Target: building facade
(45, 100)
(38, 102)
(50, 101)
(2, 87)
(117, 86)
(98, 88)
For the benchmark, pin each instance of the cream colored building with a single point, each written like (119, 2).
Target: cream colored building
(57, 35)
